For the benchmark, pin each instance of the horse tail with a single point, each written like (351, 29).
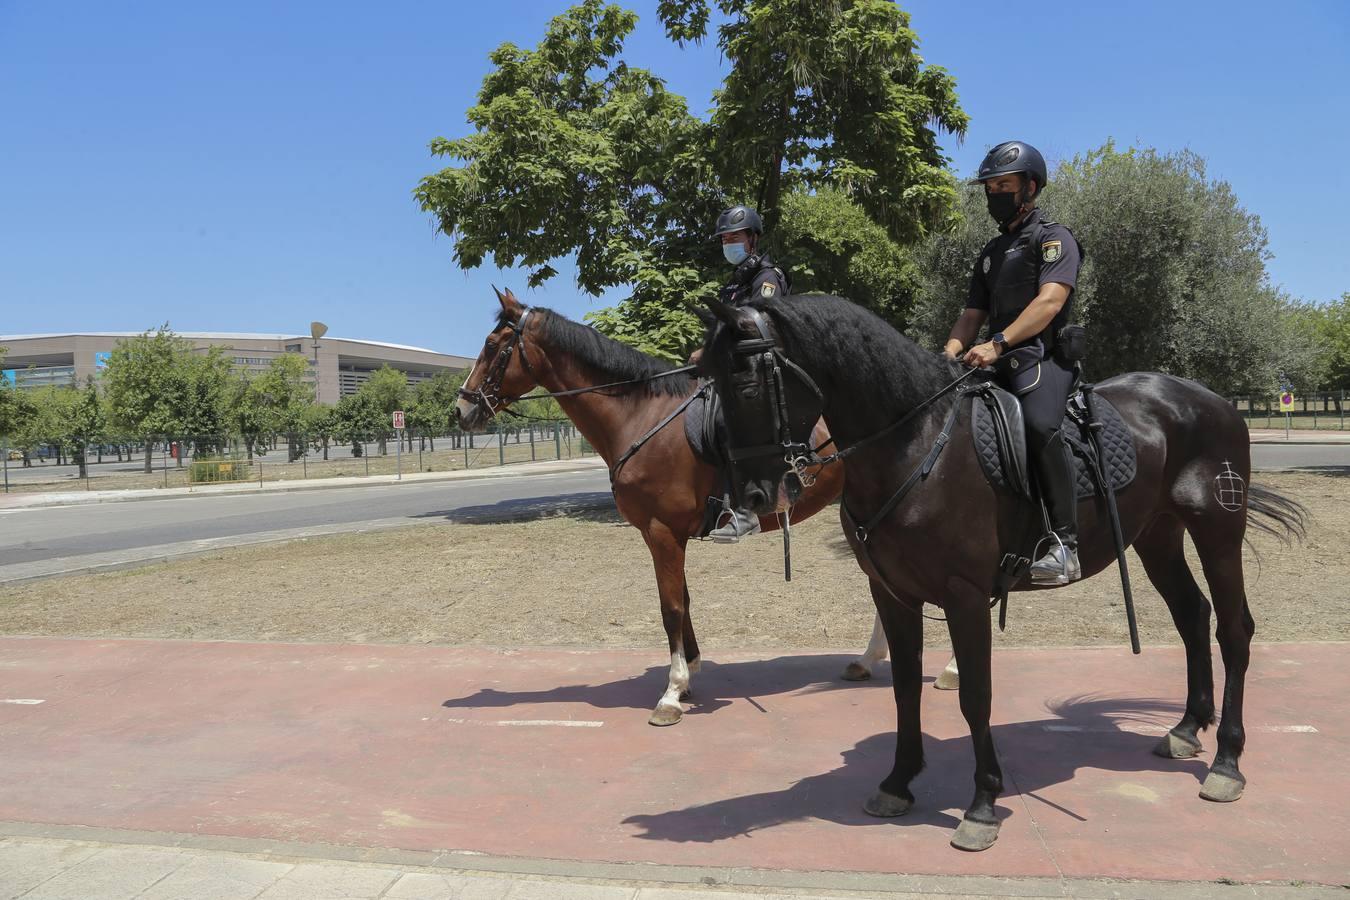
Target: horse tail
(1276, 515)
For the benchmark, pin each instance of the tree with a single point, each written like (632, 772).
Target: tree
(358, 418)
(386, 390)
(576, 153)
(1174, 277)
(433, 406)
(1331, 324)
(9, 402)
(87, 419)
(146, 382)
(321, 424)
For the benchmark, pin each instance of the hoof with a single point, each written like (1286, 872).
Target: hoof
(665, 715)
(948, 681)
(1174, 746)
(1222, 788)
(856, 672)
(974, 836)
(886, 806)
(695, 664)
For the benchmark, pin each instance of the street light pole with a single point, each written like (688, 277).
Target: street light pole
(316, 331)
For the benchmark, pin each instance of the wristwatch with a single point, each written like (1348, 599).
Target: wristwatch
(1000, 341)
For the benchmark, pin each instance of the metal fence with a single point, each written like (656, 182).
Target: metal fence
(186, 461)
(1323, 411)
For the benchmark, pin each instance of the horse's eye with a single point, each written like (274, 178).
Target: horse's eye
(750, 391)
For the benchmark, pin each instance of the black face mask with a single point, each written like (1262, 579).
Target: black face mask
(1004, 207)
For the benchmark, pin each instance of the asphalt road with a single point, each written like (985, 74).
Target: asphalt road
(28, 535)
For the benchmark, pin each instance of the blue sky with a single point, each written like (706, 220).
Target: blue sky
(249, 166)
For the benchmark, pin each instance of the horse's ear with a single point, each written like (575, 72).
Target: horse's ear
(722, 311)
(510, 305)
(501, 298)
(706, 316)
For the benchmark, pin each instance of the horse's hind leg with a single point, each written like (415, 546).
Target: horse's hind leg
(1161, 549)
(861, 668)
(1221, 557)
(691, 653)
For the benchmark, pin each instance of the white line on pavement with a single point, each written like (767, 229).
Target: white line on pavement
(24, 702)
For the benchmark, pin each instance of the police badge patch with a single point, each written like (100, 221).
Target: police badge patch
(1051, 251)
(986, 265)
(768, 290)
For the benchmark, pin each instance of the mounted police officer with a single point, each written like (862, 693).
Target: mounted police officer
(1023, 284)
(739, 228)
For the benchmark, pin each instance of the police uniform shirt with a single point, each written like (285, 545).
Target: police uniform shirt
(1009, 272)
(756, 277)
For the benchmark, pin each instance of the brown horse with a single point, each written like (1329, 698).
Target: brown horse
(661, 489)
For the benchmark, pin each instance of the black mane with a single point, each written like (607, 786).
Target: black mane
(829, 334)
(615, 361)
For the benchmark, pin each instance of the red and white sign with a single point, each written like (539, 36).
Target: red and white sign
(398, 420)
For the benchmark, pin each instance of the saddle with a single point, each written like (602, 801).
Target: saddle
(999, 436)
(705, 430)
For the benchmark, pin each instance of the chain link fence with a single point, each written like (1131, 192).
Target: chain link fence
(186, 461)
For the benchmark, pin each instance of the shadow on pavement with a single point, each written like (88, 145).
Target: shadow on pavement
(595, 506)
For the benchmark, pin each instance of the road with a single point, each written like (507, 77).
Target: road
(67, 535)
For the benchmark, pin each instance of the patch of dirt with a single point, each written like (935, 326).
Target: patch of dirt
(586, 579)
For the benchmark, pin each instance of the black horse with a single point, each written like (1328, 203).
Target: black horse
(780, 364)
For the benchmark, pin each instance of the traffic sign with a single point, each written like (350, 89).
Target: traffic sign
(398, 420)
(1286, 401)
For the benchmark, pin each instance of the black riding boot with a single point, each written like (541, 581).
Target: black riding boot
(1054, 468)
(742, 523)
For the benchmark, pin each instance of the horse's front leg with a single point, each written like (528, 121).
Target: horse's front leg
(668, 557)
(904, 633)
(972, 639)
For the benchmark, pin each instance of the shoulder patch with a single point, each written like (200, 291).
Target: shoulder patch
(986, 264)
(768, 289)
(1051, 250)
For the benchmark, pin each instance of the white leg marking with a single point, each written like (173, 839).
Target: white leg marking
(876, 647)
(679, 681)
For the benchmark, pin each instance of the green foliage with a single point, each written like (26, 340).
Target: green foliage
(575, 153)
(853, 256)
(1330, 326)
(146, 384)
(1174, 278)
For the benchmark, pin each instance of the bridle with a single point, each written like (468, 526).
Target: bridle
(781, 382)
(489, 394)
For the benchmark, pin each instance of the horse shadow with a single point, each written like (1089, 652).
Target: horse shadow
(1035, 755)
(717, 685)
(592, 506)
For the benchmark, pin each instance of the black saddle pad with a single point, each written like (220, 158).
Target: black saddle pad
(703, 428)
(1001, 446)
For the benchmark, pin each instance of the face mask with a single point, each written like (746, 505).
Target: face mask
(735, 253)
(1003, 207)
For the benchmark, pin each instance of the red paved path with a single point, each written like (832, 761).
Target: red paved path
(399, 746)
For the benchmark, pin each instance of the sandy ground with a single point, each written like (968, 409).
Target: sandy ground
(586, 579)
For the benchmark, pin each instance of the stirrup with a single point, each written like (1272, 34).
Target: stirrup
(1069, 568)
(741, 524)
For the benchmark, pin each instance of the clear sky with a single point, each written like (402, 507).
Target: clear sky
(248, 166)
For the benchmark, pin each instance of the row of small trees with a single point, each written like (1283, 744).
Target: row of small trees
(158, 386)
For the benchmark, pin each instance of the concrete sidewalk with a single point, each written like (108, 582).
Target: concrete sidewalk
(35, 499)
(137, 867)
(1298, 436)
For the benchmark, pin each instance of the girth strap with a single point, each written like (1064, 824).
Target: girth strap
(651, 433)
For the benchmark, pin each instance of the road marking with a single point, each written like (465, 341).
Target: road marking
(545, 723)
(1163, 729)
(24, 702)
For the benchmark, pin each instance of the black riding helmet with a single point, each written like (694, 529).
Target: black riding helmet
(738, 218)
(1012, 158)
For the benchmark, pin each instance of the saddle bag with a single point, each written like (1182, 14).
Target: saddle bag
(1071, 344)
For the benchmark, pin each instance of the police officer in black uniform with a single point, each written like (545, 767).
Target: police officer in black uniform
(755, 275)
(1023, 284)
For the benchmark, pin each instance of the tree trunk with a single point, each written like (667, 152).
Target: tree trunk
(83, 452)
(149, 454)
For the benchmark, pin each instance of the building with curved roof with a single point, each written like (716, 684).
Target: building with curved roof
(338, 366)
